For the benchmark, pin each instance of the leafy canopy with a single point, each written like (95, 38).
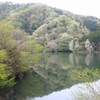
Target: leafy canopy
(6, 35)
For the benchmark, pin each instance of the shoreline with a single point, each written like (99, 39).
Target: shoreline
(86, 52)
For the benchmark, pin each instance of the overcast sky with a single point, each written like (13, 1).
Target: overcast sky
(82, 7)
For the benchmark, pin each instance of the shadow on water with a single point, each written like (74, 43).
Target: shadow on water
(51, 74)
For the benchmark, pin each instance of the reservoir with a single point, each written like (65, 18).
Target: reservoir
(51, 78)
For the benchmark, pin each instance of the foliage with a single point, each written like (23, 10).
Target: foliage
(13, 59)
(6, 78)
(29, 87)
(64, 40)
(29, 55)
(52, 45)
(63, 47)
(34, 46)
(22, 58)
(95, 37)
(5, 8)
(92, 23)
(6, 35)
(19, 35)
(29, 19)
(87, 90)
(87, 75)
(46, 23)
(35, 50)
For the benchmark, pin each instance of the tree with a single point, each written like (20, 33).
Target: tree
(92, 91)
(6, 78)
(95, 36)
(87, 75)
(6, 35)
(19, 35)
(14, 61)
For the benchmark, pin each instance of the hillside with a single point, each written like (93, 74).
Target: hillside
(53, 28)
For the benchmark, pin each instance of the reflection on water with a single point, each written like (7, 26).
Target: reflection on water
(86, 91)
(50, 79)
(60, 95)
(71, 60)
(88, 59)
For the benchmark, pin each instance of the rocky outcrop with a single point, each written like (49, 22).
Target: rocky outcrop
(88, 46)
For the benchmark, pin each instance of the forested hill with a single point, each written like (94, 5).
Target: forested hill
(30, 17)
(52, 27)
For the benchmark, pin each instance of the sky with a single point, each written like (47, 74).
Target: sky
(80, 7)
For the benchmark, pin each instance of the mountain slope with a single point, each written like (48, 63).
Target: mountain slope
(54, 28)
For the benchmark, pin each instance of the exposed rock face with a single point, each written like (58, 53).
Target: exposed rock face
(71, 45)
(76, 44)
(88, 46)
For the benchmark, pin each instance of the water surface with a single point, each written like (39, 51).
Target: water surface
(51, 78)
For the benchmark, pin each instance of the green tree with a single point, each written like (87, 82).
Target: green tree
(6, 78)
(22, 57)
(95, 37)
(87, 75)
(35, 50)
(6, 35)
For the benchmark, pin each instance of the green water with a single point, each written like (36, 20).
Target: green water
(51, 75)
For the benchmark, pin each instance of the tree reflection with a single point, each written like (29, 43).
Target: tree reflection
(71, 59)
(88, 59)
(87, 90)
(53, 73)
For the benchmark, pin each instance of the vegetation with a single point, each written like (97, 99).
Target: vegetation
(86, 90)
(94, 38)
(53, 73)
(91, 22)
(51, 27)
(13, 59)
(25, 27)
(87, 75)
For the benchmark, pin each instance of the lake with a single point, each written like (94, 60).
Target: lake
(51, 78)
